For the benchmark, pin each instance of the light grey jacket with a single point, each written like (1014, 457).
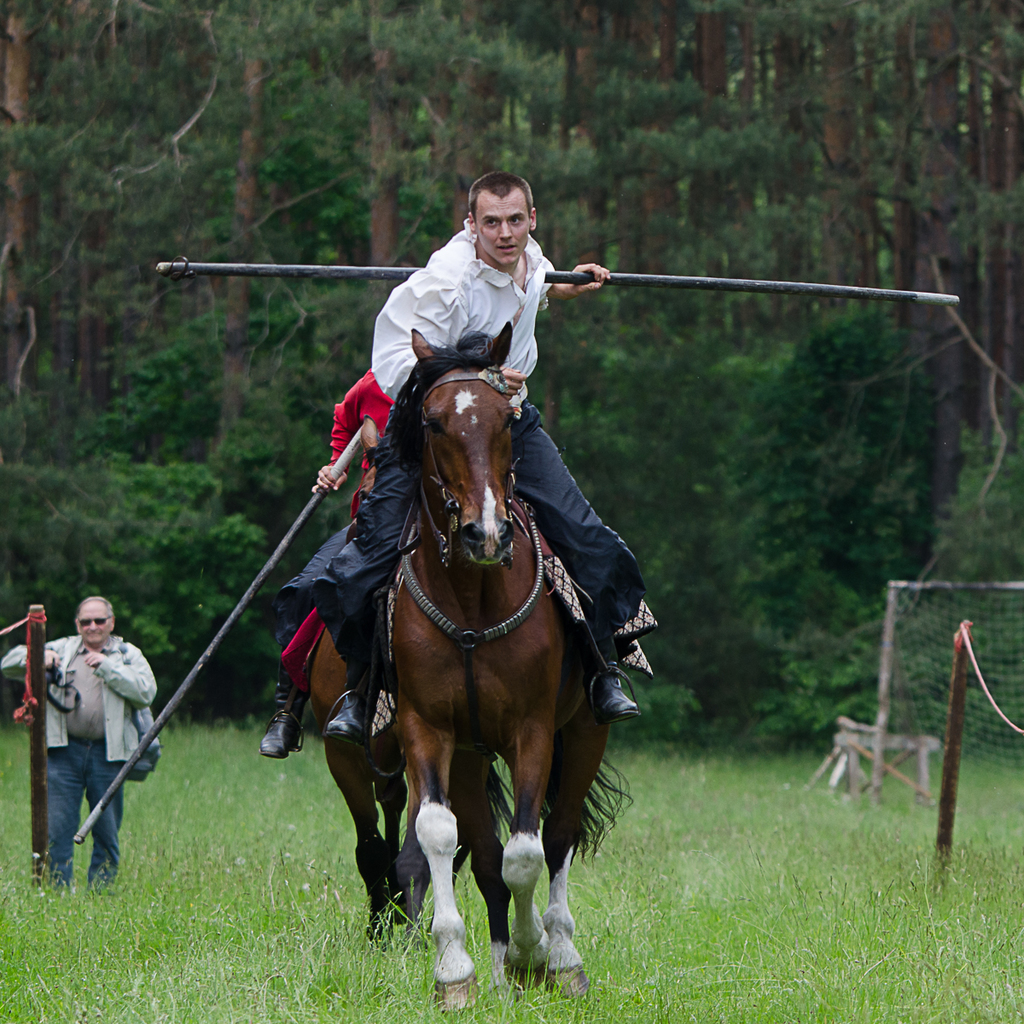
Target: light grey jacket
(128, 684)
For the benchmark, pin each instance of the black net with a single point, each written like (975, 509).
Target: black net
(926, 622)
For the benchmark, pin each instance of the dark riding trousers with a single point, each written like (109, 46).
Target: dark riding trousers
(294, 601)
(593, 553)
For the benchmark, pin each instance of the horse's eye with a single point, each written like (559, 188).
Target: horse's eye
(434, 426)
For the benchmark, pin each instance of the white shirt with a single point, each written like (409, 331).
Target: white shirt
(457, 292)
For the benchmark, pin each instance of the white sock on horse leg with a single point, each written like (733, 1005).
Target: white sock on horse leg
(559, 923)
(498, 979)
(438, 835)
(521, 868)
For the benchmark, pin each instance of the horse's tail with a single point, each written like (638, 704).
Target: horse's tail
(499, 796)
(607, 799)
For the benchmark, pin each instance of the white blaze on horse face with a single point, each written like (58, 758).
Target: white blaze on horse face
(520, 869)
(438, 835)
(491, 524)
(558, 922)
(463, 400)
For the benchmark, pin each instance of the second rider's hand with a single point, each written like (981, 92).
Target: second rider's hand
(324, 481)
(93, 658)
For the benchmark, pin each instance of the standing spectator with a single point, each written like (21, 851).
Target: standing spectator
(94, 682)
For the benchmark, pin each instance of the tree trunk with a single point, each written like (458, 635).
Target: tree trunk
(383, 141)
(904, 225)
(1003, 171)
(935, 241)
(840, 118)
(709, 63)
(465, 141)
(975, 375)
(868, 228)
(17, 71)
(659, 200)
(236, 328)
(788, 60)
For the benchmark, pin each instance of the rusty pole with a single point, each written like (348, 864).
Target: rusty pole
(954, 742)
(35, 668)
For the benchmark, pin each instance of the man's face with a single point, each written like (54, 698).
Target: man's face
(94, 624)
(502, 228)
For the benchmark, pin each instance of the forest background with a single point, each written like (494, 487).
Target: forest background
(771, 461)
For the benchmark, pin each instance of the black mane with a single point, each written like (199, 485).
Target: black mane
(473, 352)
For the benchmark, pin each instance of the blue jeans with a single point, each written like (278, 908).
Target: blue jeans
(82, 767)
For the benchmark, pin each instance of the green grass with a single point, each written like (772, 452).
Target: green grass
(726, 893)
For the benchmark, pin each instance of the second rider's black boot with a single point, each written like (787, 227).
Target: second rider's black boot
(350, 719)
(284, 731)
(608, 701)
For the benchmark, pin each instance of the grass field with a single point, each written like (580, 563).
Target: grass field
(726, 893)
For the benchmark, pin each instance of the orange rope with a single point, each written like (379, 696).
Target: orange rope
(28, 702)
(963, 636)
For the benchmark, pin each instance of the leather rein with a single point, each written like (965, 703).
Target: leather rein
(467, 640)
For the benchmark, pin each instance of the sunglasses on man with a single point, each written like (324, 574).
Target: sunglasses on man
(93, 622)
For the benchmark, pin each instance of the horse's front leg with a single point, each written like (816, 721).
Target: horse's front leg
(523, 861)
(429, 755)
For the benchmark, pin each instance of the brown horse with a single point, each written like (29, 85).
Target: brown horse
(484, 665)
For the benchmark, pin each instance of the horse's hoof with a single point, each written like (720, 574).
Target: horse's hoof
(456, 995)
(571, 983)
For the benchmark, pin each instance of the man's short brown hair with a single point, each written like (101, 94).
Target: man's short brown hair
(500, 184)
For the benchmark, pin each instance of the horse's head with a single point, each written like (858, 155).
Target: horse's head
(467, 446)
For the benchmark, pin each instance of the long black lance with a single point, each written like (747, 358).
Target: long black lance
(342, 463)
(183, 268)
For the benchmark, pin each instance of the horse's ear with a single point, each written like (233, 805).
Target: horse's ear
(368, 434)
(500, 344)
(421, 346)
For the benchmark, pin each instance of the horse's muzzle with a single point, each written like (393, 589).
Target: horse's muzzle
(484, 548)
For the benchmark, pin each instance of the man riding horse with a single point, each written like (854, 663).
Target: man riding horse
(491, 273)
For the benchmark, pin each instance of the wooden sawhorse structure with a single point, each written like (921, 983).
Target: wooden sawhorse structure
(855, 740)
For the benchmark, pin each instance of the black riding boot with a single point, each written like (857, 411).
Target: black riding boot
(284, 732)
(350, 721)
(608, 701)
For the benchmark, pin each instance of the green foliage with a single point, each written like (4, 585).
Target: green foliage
(983, 538)
(836, 465)
(767, 460)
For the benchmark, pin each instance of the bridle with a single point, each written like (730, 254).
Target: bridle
(493, 377)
